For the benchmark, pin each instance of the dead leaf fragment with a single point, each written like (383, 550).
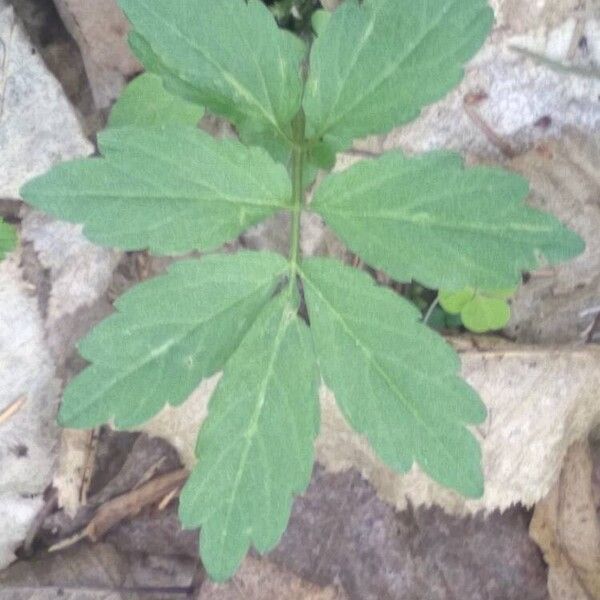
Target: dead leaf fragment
(527, 389)
(567, 529)
(100, 29)
(565, 180)
(261, 580)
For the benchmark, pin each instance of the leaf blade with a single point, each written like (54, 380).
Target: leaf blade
(170, 189)
(241, 489)
(146, 103)
(484, 313)
(430, 219)
(395, 380)
(358, 85)
(168, 334)
(231, 52)
(8, 239)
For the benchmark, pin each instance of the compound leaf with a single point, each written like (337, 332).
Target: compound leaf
(8, 238)
(255, 449)
(395, 380)
(170, 189)
(378, 62)
(145, 103)
(231, 52)
(430, 219)
(168, 334)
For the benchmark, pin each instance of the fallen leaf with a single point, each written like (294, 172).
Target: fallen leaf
(562, 305)
(259, 579)
(100, 29)
(98, 571)
(567, 529)
(527, 389)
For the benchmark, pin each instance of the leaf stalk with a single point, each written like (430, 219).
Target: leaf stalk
(298, 154)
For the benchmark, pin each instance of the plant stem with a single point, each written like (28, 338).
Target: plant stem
(298, 151)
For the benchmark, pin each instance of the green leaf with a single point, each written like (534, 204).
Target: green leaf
(480, 311)
(485, 314)
(430, 219)
(232, 53)
(319, 20)
(8, 238)
(255, 449)
(168, 334)
(454, 302)
(170, 189)
(380, 61)
(145, 103)
(395, 380)
(153, 64)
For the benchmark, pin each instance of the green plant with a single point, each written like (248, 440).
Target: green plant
(479, 310)
(172, 189)
(8, 238)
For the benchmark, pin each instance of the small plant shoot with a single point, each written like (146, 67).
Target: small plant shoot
(8, 239)
(163, 185)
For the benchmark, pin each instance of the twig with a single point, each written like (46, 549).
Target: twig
(486, 129)
(124, 506)
(88, 469)
(12, 409)
(558, 66)
(131, 503)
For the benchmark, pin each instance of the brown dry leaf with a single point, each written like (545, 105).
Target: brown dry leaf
(527, 389)
(261, 580)
(562, 304)
(73, 459)
(567, 529)
(100, 29)
(96, 572)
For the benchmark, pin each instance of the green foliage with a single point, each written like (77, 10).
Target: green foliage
(8, 238)
(146, 103)
(395, 380)
(429, 219)
(360, 84)
(479, 310)
(255, 449)
(170, 189)
(163, 185)
(319, 21)
(168, 334)
(239, 63)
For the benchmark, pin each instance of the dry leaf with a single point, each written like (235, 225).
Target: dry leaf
(100, 29)
(96, 572)
(527, 390)
(562, 305)
(261, 580)
(567, 529)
